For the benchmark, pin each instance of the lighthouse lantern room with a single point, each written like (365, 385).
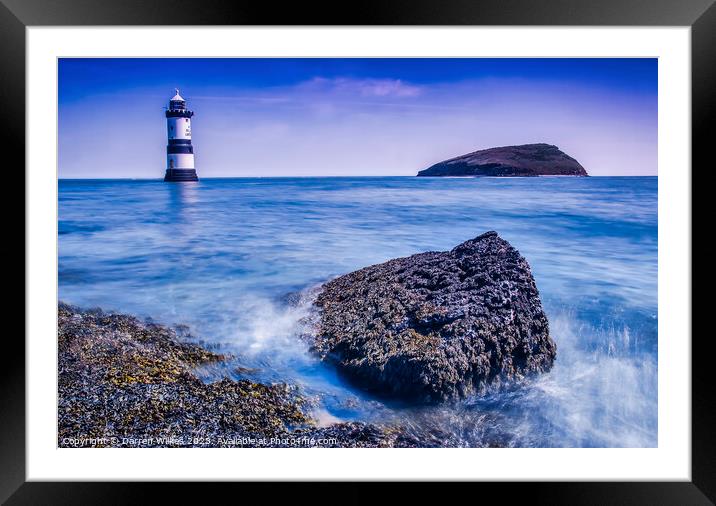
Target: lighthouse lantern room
(180, 153)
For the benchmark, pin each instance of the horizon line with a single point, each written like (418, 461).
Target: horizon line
(160, 178)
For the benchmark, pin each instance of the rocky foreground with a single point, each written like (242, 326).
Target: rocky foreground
(126, 383)
(510, 161)
(436, 326)
(432, 327)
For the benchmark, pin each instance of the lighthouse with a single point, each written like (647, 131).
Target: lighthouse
(180, 153)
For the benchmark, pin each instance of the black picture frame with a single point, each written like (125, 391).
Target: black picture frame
(700, 15)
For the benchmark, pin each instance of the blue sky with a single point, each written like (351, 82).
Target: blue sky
(300, 117)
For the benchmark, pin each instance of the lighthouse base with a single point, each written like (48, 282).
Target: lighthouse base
(180, 175)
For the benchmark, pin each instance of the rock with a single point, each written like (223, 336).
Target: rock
(435, 326)
(127, 383)
(525, 160)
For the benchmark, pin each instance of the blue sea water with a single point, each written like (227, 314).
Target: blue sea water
(221, 254)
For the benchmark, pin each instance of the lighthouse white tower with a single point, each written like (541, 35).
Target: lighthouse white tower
(180, 153)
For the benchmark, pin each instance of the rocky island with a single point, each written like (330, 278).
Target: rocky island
(436, 326)
(509, 161)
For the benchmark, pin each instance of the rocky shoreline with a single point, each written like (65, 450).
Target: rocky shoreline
(127, 383)
(435, 327)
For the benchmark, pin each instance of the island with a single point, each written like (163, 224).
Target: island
(527, 160)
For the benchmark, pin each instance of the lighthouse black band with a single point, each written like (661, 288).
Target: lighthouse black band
(179, 148)
(172, 113)
(179, 141)
(180, 175)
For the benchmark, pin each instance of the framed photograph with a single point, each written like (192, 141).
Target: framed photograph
(408, 245)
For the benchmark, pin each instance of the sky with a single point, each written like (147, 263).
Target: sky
(353, 117)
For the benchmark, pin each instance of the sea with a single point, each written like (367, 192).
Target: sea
(222, 256)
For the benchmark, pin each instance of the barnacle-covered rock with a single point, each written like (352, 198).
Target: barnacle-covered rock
(123, 382)
(435, 326)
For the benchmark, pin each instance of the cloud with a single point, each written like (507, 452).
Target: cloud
(362, 87)
(245, 98)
